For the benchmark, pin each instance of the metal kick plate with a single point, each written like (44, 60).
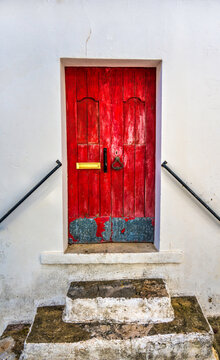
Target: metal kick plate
(88, 165)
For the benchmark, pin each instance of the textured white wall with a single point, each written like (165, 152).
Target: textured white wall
(34, 35)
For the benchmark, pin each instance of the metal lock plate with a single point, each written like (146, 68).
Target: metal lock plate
(88, 165)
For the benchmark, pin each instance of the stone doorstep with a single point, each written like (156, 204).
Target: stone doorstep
(119, 301)
(157, 258)
(141, 288)
(187, 337)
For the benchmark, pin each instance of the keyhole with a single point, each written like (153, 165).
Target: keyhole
(116, 153)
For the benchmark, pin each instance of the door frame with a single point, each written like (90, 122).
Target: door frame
(65, 62)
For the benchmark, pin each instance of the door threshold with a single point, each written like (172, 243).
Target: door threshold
(111, 248)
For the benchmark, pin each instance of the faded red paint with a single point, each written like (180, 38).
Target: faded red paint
(129, 218)
(111, 108)
(71, 239)
(100, 221)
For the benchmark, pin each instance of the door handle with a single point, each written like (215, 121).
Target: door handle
(105, 163)
(117, 160)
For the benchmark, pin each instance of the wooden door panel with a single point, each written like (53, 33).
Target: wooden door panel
(81, 83)
(129, 181)
(94, 181)
(113, 109)
(82, 117)
(117, 183)
(105, 116)
(140, 123)
(140, 84)
(129, 121)
(93, 121)
(128, 84)
(117, 151)
(93, 83)
(139, 180)
(83, 184)
(105, 185)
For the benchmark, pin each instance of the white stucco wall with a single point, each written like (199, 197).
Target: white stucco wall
(34, 36)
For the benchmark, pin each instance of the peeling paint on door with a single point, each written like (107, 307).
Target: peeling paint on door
(86, 230)
(134, 230)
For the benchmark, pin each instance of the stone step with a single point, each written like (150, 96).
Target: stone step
(12, 341)
(120, 301)
(188, 337)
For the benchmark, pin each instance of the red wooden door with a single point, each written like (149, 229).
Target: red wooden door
(112, 109)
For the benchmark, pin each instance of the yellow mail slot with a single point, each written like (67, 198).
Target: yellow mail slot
(88, 165)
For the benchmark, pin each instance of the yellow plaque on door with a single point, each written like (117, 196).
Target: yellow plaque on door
(88, 165)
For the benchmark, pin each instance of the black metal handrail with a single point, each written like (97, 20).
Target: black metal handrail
(59, 164)
(164, 165)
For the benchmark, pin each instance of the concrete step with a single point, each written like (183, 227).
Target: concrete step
(119, 301)
(188, 337)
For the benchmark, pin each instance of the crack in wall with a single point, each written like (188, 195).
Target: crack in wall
(90, 29)
(87, 40)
